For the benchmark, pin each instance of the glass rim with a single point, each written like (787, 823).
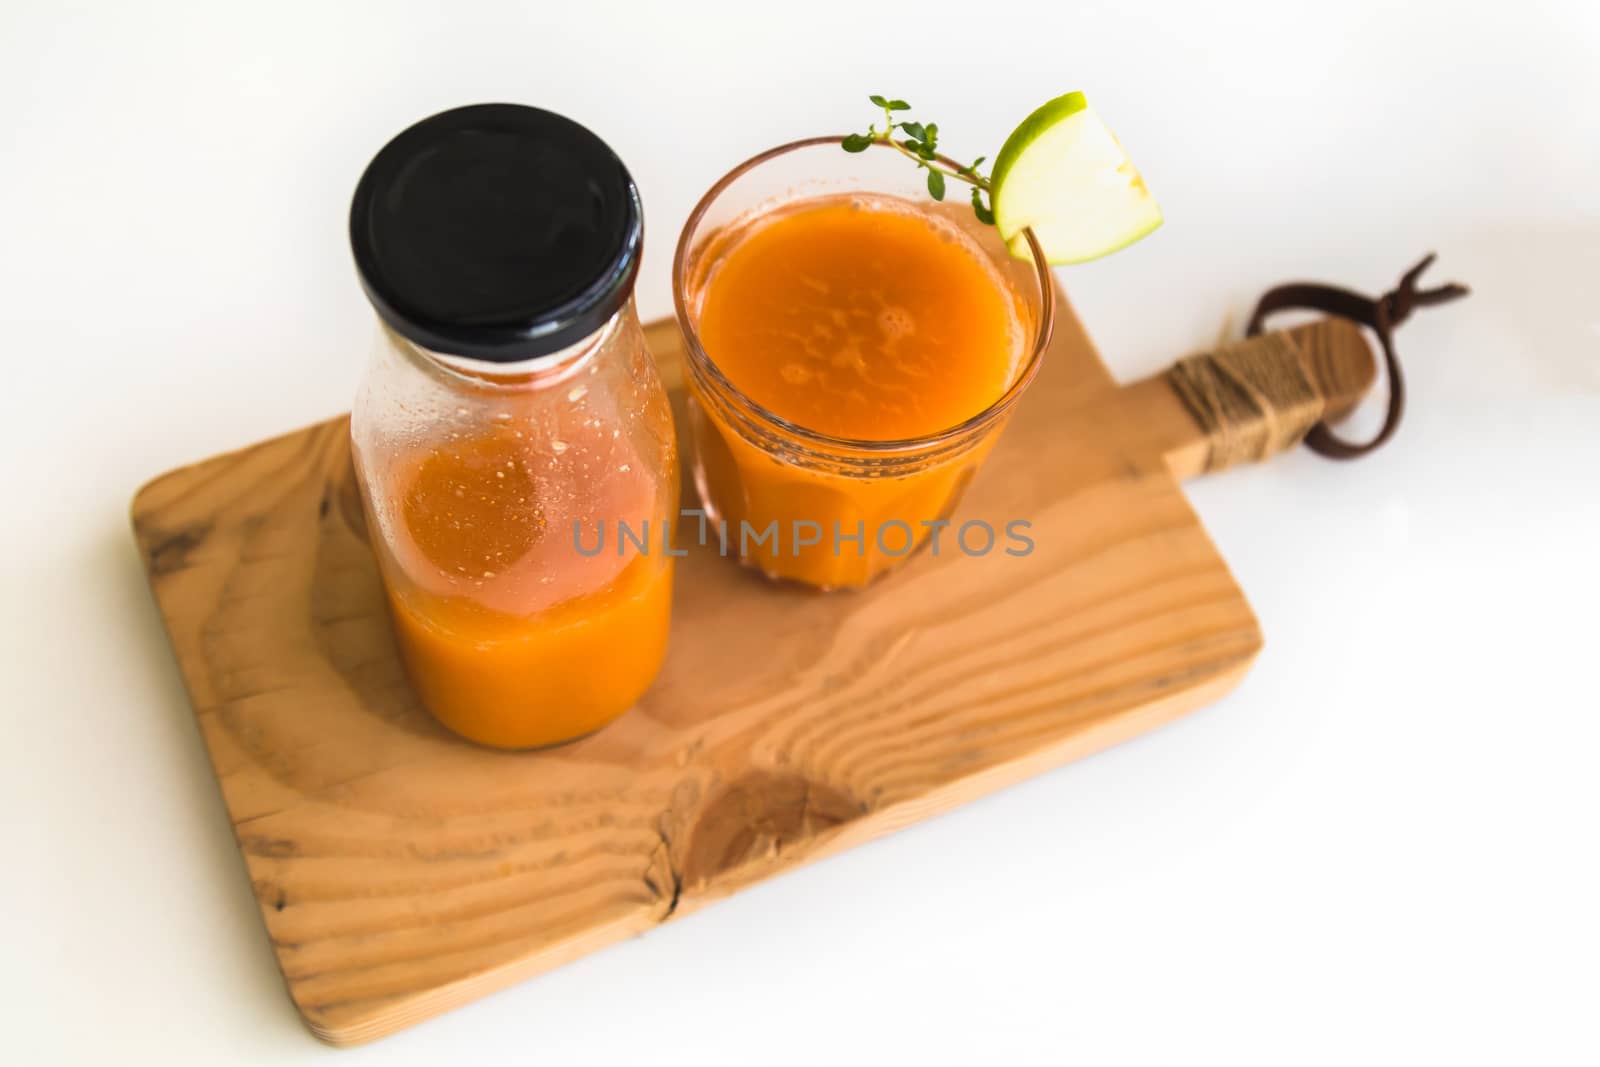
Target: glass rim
(700, 361)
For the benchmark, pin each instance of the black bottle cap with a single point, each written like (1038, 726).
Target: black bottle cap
(496, 232)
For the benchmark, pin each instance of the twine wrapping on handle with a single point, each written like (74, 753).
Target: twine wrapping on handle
(1253, 398)
(1257, 397)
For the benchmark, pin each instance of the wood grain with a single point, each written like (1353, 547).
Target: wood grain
(401, 871)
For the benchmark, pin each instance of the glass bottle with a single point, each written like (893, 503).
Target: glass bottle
(512, 439)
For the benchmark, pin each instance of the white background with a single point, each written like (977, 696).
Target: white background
(1382, 848)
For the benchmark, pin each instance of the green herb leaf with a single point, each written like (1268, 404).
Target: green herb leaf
(920, 143)
(980, 209)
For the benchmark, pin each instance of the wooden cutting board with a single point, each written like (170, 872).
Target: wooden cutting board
(401, 871)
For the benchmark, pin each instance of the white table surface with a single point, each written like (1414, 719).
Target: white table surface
(1382, 848)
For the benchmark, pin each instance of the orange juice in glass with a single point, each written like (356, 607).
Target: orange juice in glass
(854, 348)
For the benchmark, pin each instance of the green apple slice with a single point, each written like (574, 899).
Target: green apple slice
(1063, 174)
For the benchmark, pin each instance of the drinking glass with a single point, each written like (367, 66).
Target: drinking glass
(831, 512)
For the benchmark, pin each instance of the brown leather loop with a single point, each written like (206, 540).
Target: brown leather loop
(1383, 316)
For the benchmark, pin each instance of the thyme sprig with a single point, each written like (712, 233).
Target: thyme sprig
(919, 143)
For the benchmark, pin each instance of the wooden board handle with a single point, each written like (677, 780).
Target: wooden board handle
(1251, 400)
